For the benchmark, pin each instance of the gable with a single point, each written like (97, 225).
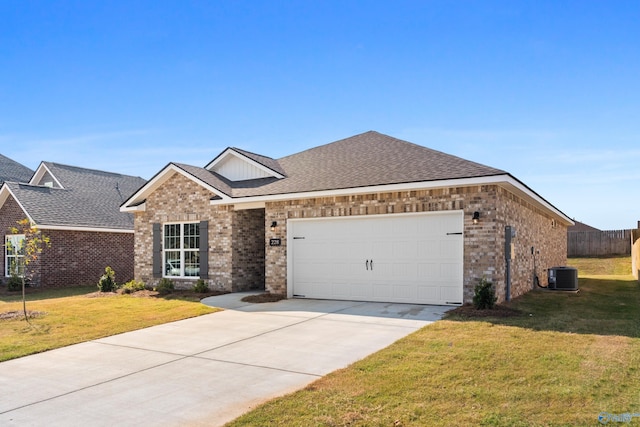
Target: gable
(239, 165)
(44, 177)
(237, 169)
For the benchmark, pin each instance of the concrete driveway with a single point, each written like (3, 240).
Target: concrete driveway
(203, 371)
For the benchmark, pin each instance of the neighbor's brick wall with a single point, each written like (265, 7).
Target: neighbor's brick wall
(181, 200)
(74, 257)
(10, 213)
(80, 257)
(483, 242)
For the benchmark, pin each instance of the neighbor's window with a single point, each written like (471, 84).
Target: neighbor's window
(181, 250)
(14, 255)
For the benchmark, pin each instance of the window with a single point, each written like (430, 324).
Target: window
(14, 255)
(181, 250)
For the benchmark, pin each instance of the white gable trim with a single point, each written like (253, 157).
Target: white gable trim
(506, 181)
(135, 203)
(254, 170)
(40, 173)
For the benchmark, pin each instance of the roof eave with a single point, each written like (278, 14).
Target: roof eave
(505, 180)
(136, 203)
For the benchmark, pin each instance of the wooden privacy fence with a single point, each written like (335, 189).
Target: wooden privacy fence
(635, 253)
(598, 243)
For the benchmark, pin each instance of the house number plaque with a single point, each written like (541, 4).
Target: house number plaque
(274, 242)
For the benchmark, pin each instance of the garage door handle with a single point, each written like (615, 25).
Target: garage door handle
(367, 265)
(371, 265)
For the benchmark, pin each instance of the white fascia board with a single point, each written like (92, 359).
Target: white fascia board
(161, 177)
(79, 228)
(505, 180)
(40, 172)
(5, 192)
(526, 191)
(231, 152)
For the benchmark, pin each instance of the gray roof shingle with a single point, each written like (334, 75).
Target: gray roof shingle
(363, 160)
(90, 198)
(10, 170)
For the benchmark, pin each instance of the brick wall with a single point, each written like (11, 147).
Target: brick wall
(236, 238)
(74, 257)
(483, 242)
(10, 213)
(248, 250)
(80, 257)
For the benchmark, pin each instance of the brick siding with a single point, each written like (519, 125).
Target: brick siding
(483, 242)
(236, 238)
(74, 257)
(240, 257)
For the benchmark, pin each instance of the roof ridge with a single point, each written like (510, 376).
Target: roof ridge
(63, 165)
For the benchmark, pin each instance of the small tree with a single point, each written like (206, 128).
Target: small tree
(31, 247)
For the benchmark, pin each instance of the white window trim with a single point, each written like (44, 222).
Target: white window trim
(182, 251)
(7, 264)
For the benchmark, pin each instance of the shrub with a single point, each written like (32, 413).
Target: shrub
(14, 283)
(107, 282)
(165, 286)
(133, 286)
(201, 287)
(484, 295)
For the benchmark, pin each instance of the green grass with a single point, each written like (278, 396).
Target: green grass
(72, 317)
(567, 358)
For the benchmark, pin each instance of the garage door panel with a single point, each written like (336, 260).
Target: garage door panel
(416, 258)
(382, 291)
(404, 271)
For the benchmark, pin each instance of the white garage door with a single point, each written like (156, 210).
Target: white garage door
(405, 258)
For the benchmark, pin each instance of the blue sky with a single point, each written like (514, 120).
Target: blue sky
(546, 90)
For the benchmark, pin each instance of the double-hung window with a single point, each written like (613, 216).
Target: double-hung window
(181, 254)
(14, 255)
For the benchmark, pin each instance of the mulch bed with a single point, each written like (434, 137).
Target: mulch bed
(265, 297)
(469, 311)
(19, 315)
(176, 294)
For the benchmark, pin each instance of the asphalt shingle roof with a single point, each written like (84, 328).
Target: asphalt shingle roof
(90, 198)
(363, 160)
(10, 170)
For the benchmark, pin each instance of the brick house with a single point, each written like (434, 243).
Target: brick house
(370, 218)
(78, 209)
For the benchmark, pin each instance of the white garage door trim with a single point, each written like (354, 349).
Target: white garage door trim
(402, 258)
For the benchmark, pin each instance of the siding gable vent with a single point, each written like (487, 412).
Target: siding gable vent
(239, 165)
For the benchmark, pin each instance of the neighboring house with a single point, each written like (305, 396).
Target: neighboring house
(78, 209)
(10, 170)
(370, 218)
(580, 226)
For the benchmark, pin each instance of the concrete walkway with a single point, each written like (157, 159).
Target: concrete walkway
(203, 371)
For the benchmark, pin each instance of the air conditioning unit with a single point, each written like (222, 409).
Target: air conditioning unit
(562, 278)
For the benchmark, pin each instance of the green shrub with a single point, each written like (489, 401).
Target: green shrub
(201, 287)
(107, 282)
(165, 286)
(484, 295)
(14, 283)
(133, 286)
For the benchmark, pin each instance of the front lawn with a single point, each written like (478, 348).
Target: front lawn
(73, 315)
(566, 360)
